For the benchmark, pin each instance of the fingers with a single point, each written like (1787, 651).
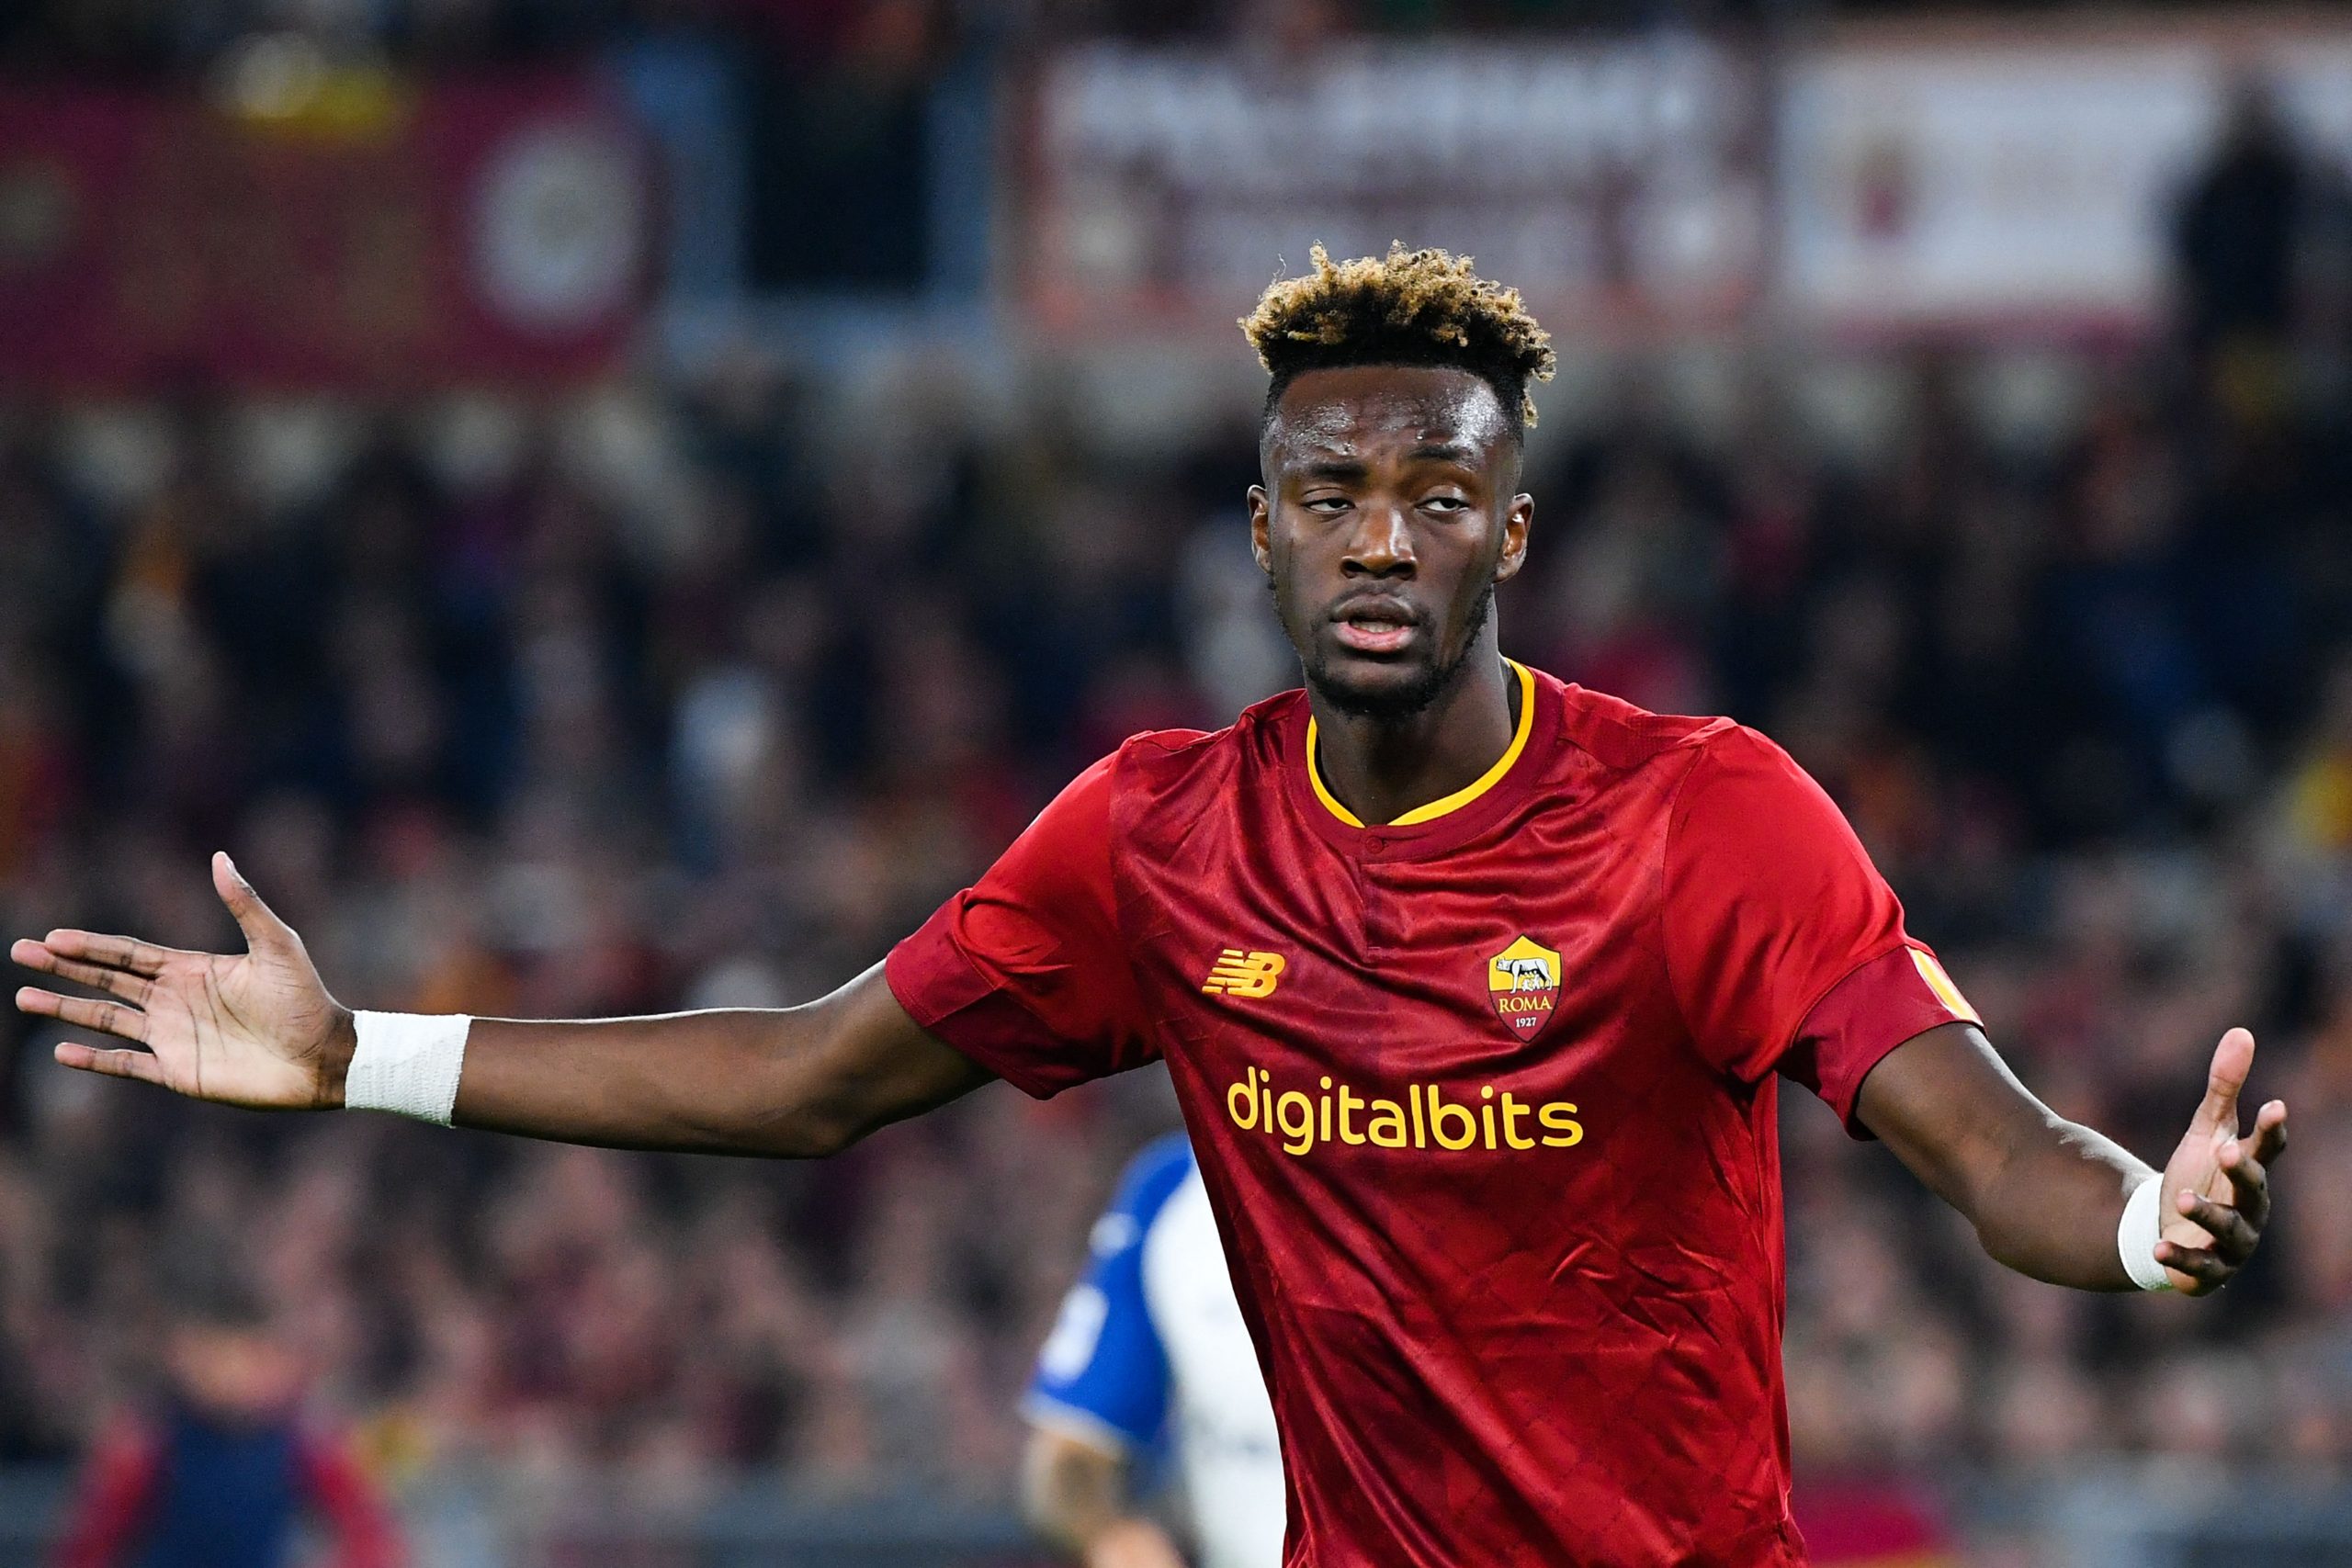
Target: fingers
(84, 1013)
(2249, 1182)
(2270, 1132)
(2233, 1234)
(130, 988)
(262, 926)
(2208, 1271)
(113, 951)
(114, 1064)
(2232, 1060)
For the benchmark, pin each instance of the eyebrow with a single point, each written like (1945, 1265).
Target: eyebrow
(1329, 463)
(1333, 467)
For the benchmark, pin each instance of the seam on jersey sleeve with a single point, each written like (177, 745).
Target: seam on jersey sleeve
(1665, 880)
(1813, 1003)
(1878, 1048)
(965, 1026)
(1150, 1021)
(1779, 1048)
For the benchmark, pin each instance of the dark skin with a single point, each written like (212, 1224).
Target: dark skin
(259, 1030)
(1390, 508)
(1392, 495)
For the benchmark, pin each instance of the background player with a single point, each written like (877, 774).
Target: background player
(225, 1472)
(1150, 1354)
(1555, 1341)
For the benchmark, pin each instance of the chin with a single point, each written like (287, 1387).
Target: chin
(1372, 690)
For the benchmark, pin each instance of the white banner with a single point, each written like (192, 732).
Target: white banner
(2029, 181)
(1608, 182)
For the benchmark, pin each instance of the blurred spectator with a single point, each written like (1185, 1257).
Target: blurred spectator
(224, 1471)
(2239, 233)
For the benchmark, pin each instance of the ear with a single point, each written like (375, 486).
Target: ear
(1517, 519)
(1262, 519)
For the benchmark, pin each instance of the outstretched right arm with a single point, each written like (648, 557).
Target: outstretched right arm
(260, 1030)
(793, 1082)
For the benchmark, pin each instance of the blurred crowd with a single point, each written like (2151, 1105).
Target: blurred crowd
(704, 687)
(703, 691)
(637, 705)
(167, 36)
(171, 35)
(163, 37)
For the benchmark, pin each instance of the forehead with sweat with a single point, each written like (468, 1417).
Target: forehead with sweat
(1323, 416)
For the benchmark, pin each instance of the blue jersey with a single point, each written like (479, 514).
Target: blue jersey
(1150, 1358)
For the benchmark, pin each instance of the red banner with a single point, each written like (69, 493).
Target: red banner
(485, 231)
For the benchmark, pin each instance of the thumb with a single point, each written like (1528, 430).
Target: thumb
(2233, 1061)
(261, 925)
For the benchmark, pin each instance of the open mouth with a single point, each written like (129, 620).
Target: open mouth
(1375, 625)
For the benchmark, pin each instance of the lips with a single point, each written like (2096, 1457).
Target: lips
(1374, 624)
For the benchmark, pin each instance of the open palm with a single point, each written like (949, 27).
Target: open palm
(2216, 1192)
(256, 1029)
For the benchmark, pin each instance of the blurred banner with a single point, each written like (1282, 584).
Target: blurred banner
(376, 238)
(2022, 178)
(1618, 185)
(2011, 179)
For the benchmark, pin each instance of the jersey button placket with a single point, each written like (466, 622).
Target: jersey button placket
(1379, 897)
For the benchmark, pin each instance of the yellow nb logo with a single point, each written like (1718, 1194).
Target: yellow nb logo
(1240, 974)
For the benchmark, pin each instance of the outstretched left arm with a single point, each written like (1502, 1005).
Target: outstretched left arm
(2046, 1196)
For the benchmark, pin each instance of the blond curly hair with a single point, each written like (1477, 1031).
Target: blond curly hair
(1424, 307)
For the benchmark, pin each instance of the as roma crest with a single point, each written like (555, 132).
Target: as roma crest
(1523, 981)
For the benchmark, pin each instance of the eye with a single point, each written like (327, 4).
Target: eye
(1329, 505)
(1448, 504)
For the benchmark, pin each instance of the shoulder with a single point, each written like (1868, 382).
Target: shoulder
(1622, 736)
(1738, 764)
(1686, 768)
(1162, 773)
(1743, 802)
(1147, 773)
(1638, 759)
(1166, 757)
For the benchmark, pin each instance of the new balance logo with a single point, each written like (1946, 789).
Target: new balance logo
(1240, 974)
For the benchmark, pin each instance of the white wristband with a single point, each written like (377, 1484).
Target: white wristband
(2136, 1235)
(407, 1063)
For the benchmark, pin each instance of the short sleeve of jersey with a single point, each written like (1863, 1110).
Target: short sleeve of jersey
(1024, 971)
(1104, 1371)
(1784, 946)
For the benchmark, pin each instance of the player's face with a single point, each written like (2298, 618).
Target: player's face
(1387, 515)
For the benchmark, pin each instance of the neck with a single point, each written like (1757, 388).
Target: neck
(1382, 768)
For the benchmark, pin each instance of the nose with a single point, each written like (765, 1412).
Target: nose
(1382, 545)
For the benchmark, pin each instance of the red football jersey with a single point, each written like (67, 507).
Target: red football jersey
(1484, 1099)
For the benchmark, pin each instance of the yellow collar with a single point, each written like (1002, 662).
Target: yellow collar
(1460, 797)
